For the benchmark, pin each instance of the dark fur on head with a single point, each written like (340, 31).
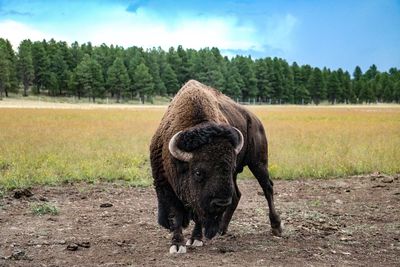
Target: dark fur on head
(196, 137)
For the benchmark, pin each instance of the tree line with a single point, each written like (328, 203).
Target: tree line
(82, 70)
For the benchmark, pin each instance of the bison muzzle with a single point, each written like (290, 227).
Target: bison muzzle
(204, 140)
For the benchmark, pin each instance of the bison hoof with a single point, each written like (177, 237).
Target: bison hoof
(194, 243)
(177, 249)
(277, 231)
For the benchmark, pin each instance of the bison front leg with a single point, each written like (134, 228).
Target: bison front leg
(175, 222)
(261, 173)
(196, 240)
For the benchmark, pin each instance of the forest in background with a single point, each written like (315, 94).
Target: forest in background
(55, 68)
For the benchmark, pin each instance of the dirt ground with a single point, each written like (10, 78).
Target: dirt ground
(336, 222)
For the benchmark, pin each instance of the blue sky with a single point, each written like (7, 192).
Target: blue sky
(320, 33)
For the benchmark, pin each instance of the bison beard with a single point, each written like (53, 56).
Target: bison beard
(211, 226)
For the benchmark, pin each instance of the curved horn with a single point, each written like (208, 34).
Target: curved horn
(176, 152)
(239, 147)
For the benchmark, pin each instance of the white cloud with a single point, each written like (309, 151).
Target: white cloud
(147, 29)
(15, 32)
(279, 32)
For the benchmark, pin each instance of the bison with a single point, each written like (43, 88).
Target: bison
(203, 141)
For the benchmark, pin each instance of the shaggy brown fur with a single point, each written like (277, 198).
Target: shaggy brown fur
(207, 118)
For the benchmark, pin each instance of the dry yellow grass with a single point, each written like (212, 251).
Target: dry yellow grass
(49, 146)
(337, 141)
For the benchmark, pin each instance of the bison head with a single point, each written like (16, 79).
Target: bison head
(209, 152)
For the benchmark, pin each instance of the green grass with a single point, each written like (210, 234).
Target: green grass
(40, 209)
(52, 146)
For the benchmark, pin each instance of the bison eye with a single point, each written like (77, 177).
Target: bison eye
(197, 175)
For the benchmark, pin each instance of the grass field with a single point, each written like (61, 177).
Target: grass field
(51, 146)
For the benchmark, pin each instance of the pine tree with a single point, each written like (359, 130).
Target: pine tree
(59, 68)
(341, 91)
(332, 87)
(154, 69)
(135, 58)
(234, 81)
(97, 88)
(76, 55)
(13, 85)
(184, 73)
(169, 78)
(371, 72)
(143, 82)
(316, 86)
(367, 91)
(262, 72)
(357, 74)
(4, 69)
(175, 61)
(288, 84)
(301, 95)
(105, 56)
(357, 83)
(396, 91)
(384, 87)
(41, 64)
(276, 81)
(89, 78)
(347, 90)
(25, 65)
(118, 79)
(246, 71)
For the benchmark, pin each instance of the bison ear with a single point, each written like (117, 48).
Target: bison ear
(176, 152)
(239, 146)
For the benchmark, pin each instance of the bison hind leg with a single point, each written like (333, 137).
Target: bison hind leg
(260, 171)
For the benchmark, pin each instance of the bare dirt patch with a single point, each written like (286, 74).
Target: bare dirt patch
(351, 221)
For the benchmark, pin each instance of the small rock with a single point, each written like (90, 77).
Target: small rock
(44, 199)
(378, 185)
(106, 205)
(387, 180)
(85, 244)
(347, 190)
(338, 201)
(72, 247)
(225, 250)
(396, 193)
(18, 255)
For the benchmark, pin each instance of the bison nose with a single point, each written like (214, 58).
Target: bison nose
(221, 202)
